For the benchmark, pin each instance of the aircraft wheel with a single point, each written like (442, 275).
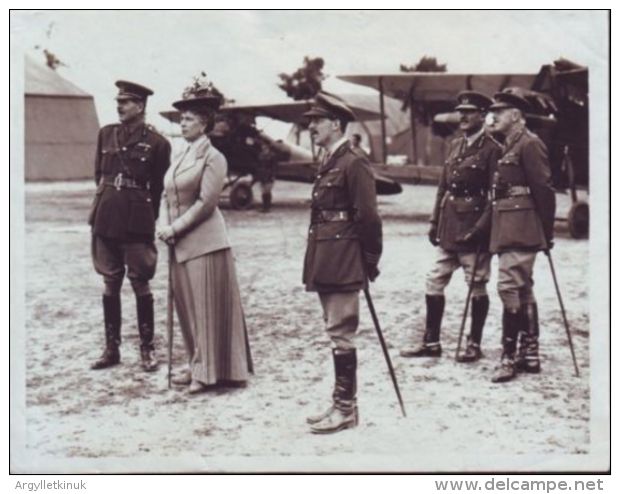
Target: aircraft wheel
(241, 195)
(579, 219)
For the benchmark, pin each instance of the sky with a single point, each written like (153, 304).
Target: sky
(243, 52)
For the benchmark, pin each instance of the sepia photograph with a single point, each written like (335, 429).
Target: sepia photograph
(309, 241)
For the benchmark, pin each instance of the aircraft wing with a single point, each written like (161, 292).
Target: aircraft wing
(290, 112)
(438, 86)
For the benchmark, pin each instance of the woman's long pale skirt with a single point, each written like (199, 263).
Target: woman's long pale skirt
(209, 309)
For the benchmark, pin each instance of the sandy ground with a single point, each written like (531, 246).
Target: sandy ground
(122, 419)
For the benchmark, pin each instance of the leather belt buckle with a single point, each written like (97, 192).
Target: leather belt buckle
(118, 181)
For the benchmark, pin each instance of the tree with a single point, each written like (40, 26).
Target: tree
(426, 64)
(421, 111)
(306, 81)
(424, 111)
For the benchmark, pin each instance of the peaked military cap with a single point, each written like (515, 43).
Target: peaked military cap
(131, 90)
(330, 106)
(508, 99)
(472, 100)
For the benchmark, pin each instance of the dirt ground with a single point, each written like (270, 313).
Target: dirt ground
(122, 419)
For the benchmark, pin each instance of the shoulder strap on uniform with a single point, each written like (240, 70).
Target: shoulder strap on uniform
(151, 128)
(492, 139)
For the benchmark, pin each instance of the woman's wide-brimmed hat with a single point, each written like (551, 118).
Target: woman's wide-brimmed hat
(200, 96)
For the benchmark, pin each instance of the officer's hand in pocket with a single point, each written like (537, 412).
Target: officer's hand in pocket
(432, 235)
(372, 271)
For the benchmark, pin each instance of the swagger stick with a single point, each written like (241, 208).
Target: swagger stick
(371, 308)
(557, 290)
(469, 292)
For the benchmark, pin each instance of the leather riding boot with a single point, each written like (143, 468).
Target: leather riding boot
(430, 346)
(144, 305)
(511, 323)
(479, 311)
(314, 419)
(527, 355)
(112, 324)
(343, 413)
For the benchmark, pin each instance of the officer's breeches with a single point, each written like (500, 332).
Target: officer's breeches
(448, 262)
(515, 283)
(110, 257)
(341, 315)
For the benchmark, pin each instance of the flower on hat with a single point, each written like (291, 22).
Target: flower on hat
(201, 87)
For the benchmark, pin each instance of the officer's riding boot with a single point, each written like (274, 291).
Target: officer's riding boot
(479, 311)
(511, 323)
(430, 347)
(528, 359)
(343, 413)
(112, 322)
(266, 197)
(144, 304)
(315, 419)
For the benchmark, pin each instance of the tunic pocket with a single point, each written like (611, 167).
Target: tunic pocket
(338, 262)
(329, 190)
(518, 225)
(141, 217)
(468, 213)
(94, 205)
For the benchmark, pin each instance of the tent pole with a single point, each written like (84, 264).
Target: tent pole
(382, 107)
(414, 137)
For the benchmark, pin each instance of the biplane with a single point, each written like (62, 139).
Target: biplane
(241, 144)
(558, 95)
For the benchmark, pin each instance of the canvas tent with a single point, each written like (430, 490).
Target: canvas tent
(60, 126)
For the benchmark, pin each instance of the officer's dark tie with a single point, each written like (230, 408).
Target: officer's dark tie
(463, 147)
(325, 159)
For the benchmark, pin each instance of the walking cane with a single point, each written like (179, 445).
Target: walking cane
(557, 291)
(371, 308)
(170, 321)
(469, 292)
(557, 287)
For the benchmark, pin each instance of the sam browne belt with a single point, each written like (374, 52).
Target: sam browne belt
(513, 191)
(122, 182)
(328, 215)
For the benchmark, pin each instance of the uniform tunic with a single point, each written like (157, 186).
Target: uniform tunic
(345, 230)
(141, 154)
(462, 195)
(461, 206)
(123, 215)
(523, 214)
(345, 234)
(524, 202)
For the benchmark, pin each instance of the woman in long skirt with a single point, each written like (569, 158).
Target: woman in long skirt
(205, 285)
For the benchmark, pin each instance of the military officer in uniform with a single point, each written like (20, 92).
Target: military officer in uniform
(130, 164)
(266, 173)
(523, 212)
(460, 228)
(344, 246)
